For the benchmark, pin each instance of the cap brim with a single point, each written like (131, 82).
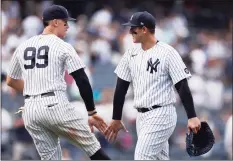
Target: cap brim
(71, 19)
(129, 24)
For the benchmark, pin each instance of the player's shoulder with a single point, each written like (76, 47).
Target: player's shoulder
(50, 39)
(27, 41)
(166, 47)
(133, 49)
(61, 42)
(64, 46)
(68, 46)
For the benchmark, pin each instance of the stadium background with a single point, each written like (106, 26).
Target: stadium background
(201, 31)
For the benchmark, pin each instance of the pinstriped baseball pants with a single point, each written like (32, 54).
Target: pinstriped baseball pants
(154, 128)
(48, 118)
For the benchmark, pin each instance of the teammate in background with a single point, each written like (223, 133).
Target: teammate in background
(37, 69)
(153, 68)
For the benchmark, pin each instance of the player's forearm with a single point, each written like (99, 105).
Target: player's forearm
(186, 97)
(119, 98)
(85, 89)
(17, 84)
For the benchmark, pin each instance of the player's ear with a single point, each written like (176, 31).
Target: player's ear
(55, 22)
(144, 29)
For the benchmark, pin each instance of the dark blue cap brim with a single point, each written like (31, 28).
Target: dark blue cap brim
(130, 24)
(71, 19)
(68, 19)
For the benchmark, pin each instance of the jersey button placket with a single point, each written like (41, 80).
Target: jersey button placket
(141, 71)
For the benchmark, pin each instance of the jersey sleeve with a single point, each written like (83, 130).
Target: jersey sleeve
(176, 67)
(73, 62)
(15, 70)
(122, 70)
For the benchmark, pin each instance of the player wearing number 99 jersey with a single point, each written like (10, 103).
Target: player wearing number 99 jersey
(41, 60)
(37, 69)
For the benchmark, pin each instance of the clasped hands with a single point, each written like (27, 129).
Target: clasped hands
(110, 132)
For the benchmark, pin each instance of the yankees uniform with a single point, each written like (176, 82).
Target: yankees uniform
(41, 62)
(152, 72)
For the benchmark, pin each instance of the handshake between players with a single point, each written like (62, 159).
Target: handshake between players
(111, 131)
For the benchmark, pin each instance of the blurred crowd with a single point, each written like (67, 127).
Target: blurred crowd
(100, 41)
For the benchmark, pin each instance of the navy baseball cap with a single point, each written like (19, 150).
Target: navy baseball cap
(140, 19)
(56, 12)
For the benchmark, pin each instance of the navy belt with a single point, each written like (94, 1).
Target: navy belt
(42, 95)
(142, 110)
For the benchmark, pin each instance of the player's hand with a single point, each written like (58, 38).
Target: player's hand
(194, 124)
(112, 130)
(98, 122)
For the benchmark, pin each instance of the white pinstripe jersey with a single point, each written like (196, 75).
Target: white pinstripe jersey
(153, 73)
(41, 61)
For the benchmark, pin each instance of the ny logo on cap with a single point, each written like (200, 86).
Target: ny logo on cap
(131, 18)
(67, 11)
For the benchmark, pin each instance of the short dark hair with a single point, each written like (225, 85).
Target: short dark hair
(45, 23)
(152, 31)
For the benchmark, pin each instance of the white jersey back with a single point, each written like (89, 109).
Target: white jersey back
(41, 62)
(153, 73)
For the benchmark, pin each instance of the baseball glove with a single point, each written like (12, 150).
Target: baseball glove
(200, 143)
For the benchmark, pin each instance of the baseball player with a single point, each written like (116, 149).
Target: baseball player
(37, 69)
(153, 68)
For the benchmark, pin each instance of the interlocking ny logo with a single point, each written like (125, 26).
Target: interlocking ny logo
(131, 18)
(152, 66)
